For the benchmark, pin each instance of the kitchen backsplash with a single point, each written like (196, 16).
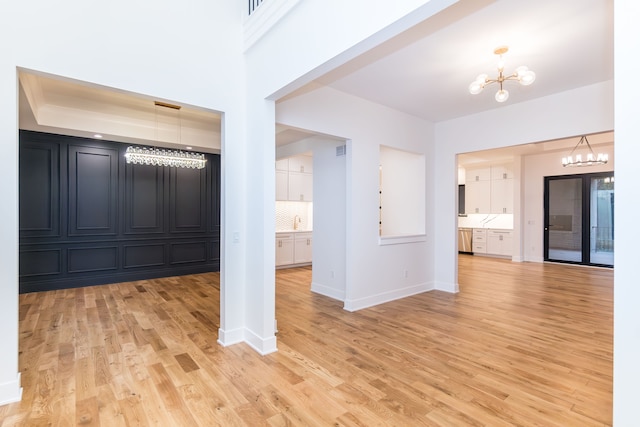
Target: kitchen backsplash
(287, 213)
(502, 221)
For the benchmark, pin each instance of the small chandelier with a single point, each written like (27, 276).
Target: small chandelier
(163, 157)
(522, 74)
(591, 160)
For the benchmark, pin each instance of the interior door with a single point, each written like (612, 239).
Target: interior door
(579, 219)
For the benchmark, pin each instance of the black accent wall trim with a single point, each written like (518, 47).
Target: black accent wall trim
(88, 218)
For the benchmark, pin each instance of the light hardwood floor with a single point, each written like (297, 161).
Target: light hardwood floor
(521, 344)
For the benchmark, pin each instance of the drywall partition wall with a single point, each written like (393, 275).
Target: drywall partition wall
(626, 343)
(585, 110)
(374, 273)
(329, 218)
(536, 167)
(260, 189)
(122, 45)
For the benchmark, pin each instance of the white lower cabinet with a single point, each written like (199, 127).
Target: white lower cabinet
(492, 242)
(302, 248)
(479, 241)
(500, 242)
(293, 248)
(284, 249)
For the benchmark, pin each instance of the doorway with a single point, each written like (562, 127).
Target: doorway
(579, 225)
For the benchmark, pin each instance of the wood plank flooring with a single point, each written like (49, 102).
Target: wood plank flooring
(522, 344)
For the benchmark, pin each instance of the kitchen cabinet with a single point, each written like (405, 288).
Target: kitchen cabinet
(491, 241)
(282, 185)
(502, 196)
(479, 241)
(477, 197)
(500, 242)
(479, 174)
(300, 187)
(282, 165)
(302, 164)
(294, 248)
(504, 171)
(489, 190)
(294, 179)
(302, 248)
(284, 249)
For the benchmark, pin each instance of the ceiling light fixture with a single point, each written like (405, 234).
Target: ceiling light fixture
(164, 157)
(522, 74)
(591, 160)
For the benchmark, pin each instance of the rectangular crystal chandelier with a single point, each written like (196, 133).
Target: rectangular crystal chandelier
(164, 157)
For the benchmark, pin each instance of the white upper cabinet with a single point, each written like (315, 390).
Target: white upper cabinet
(294, 179)
(489, 190)
(300, 187)
(302, 164)
(282, 165)
(477, 197)
(282, 185)
(504, 171)
(480, 174)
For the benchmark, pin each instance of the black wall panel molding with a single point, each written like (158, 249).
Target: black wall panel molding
(40, 262)
(40, 179)
(148, 255)
(188, 200)
(93, 190)
(88, 218)
(144, 199)
(188, 252)
(88, 259)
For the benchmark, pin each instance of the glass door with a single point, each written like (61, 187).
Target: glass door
(563, 228)
(601, 221)
(579, 219)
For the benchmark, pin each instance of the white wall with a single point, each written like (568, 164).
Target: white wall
(329, 220)
(536, 167)
(374, 273)
(172, 51)
(577, 112)
(626, 344)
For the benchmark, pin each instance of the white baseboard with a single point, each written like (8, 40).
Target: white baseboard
(263, 346)
(447, 287)
(227, 338)
(360, 303)
(11, 391)
(327, 291)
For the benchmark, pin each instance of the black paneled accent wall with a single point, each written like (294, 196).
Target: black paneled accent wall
(88, 218)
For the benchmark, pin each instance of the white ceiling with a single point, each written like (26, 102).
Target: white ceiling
(424, 72)
(56, 105)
